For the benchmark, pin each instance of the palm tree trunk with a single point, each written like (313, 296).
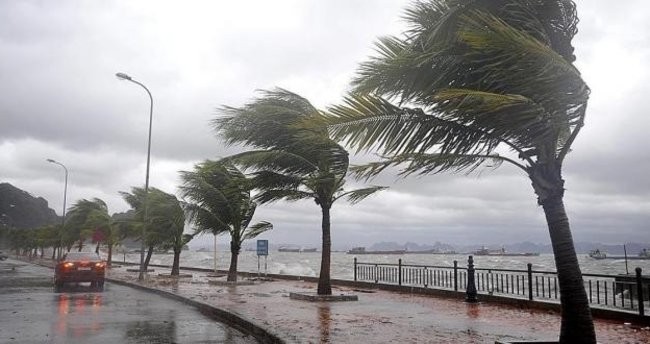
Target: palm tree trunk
(110, 254)
(234, 255)
(324, 283)
(177, 262)
(577, 323)
(148, 258)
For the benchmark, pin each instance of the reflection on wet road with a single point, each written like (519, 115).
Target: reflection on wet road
(30, 312)
(324, 319)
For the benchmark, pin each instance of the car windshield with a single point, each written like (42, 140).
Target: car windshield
(82, 256)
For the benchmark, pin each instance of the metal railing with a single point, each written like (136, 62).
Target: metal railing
(620, 292)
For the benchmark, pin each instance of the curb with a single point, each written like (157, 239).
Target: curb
(236, 321)
(233, 320)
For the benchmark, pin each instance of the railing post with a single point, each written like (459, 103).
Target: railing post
(471, 286)
(530, 281)
(455, 275)
(399, 271)
(376, 273)
(355, 269)
(639, 290)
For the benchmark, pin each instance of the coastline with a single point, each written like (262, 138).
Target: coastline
(380, 316)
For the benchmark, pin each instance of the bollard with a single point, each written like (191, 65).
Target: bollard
(455, 275)
(399, 272)
(471, 285)
(639, 290)
(530, 281)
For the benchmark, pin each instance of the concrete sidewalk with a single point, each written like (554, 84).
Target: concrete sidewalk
(378, 317)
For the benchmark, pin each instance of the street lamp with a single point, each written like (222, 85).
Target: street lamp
(123, 76)
(65, 195)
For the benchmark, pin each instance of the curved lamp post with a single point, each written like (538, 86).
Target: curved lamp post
(123, 76)
(65, 195)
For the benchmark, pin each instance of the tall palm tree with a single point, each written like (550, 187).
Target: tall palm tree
(294, 159)
(219, 200)
(476, 83)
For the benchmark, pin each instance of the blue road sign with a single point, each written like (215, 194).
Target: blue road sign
(262, 247)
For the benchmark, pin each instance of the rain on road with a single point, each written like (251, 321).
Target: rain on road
(30, 312)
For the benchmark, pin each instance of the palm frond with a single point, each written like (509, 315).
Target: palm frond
(273, 160)
(367, 121)
(267, 122)
(257, 229)
(264, 180)
(204, 220)
(423, 163)
(510, 116)
(274, 195)
(358, 195)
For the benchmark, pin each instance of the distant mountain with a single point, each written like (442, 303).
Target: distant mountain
(19, 209)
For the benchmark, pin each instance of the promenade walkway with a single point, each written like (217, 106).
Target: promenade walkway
(378, 317)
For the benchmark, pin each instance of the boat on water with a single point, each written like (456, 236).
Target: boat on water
(644, 254)
(288, 249)
(484, 251)
(362, 250)
(431, 251)
(597, 254)
(296, 249)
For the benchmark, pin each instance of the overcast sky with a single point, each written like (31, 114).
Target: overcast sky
(60, 99)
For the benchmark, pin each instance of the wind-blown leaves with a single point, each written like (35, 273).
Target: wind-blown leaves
(358, 195)
(218, 200)
(469, 77)
(257, 229)
(472, 84)
(294, 157)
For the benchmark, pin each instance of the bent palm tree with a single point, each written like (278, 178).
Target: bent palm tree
(477, 83)
(167, 217)
(165, 228)
(90, 219)
(295, 159)
(220, 201)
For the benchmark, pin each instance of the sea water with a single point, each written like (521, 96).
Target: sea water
(308, 263)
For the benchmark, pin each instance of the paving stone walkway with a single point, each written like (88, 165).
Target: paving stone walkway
(378, 317)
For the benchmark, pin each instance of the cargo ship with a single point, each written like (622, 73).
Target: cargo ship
(362, 250)
(502, 252)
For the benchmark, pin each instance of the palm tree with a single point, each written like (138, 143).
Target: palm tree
(294, 159)
(166, 224)
(167, 217)
(88, 218)
(477, 83)
(220, 201)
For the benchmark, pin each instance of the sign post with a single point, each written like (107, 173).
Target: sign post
(262, 250)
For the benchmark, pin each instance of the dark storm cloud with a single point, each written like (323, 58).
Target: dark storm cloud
(61, 100)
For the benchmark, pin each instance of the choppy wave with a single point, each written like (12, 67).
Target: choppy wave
(308, 263)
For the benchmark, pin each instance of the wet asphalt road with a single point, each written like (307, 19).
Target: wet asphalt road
(30, 312)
